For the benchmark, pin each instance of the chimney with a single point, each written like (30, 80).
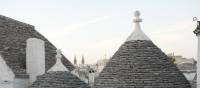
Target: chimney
(35, 58)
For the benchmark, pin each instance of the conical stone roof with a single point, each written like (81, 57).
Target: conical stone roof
(139, 63)
(58, 76)
(59, 79)
(13, 36)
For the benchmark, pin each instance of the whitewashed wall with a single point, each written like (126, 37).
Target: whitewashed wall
(190, 76)
(6, 84)
(91, 79)
(198, 63)
(6, 75)
(21, 83)
(35, 58)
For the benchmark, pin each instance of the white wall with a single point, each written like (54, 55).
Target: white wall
(4, 84)
(6, 75)
(35, 58)
(21, 83)
(190, 76)
(198, 63)
(91, 79)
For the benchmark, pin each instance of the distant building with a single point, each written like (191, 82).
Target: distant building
(85, 72)
(186, 66)
(178, 59)
(188, 69)
(101, 64)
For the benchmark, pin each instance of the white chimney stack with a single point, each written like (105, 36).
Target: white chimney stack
(35, 58)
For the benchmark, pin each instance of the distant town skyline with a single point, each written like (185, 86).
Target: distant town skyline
(95, 28)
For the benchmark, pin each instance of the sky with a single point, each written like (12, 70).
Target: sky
(96, 29)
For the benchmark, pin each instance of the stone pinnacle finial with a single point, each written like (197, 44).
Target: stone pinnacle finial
(137, 13)
(137, 34)
(59, 65)
(137, 17)
(58, 56)
(58, 51)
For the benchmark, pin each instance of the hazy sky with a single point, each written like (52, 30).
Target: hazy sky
(96, 28)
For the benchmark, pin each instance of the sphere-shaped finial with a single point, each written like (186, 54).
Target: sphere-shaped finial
(58, 51)
(137, 17)
(137, 13)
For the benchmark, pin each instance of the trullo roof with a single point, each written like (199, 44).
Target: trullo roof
(139, 63)
(59, 79)
(59, 76)
(13, 36)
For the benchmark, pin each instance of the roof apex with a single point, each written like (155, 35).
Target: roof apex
(59, 65)
(137, 34)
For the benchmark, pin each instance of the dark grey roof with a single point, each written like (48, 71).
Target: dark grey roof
(13, 36)
(140, 64)
(59, 80)
(195, 77)
(194, 82)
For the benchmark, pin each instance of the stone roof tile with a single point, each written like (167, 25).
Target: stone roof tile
(59, 79)
(140, 64)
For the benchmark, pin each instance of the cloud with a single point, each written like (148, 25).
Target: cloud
(74, 27)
